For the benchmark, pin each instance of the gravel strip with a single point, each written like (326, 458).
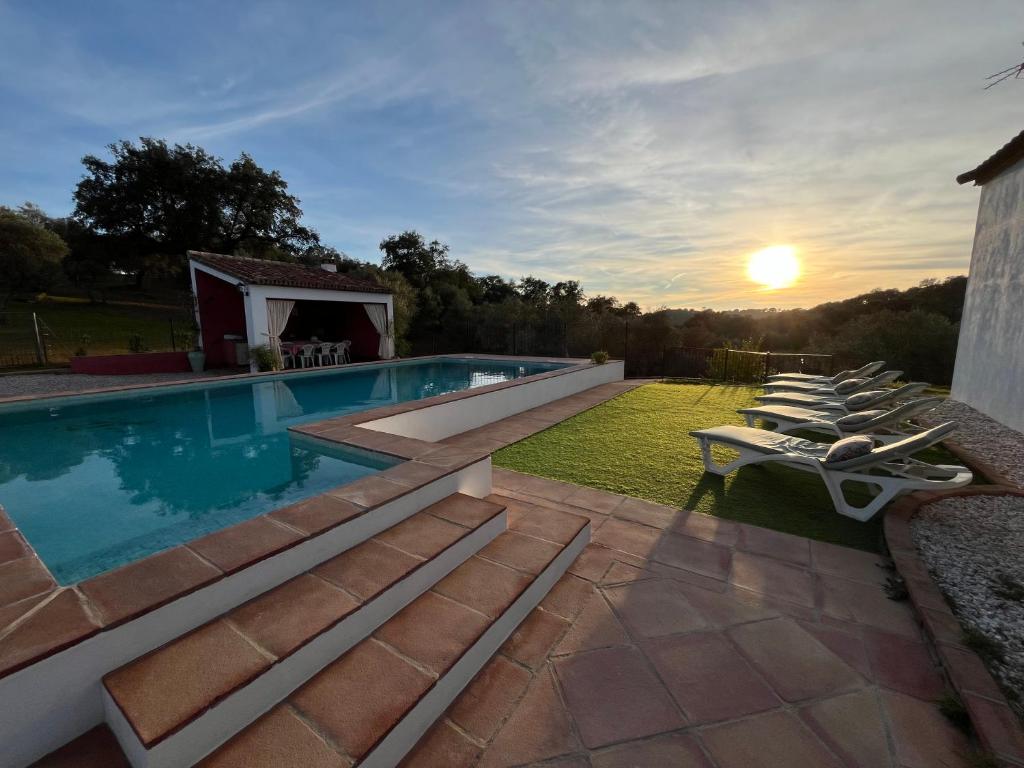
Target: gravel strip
(996, 444)
(974, 548)
(17, 385)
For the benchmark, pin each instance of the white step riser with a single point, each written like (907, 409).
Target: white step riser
(222, 721)
(390, 750)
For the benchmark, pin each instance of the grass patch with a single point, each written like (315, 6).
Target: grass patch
(639, 445)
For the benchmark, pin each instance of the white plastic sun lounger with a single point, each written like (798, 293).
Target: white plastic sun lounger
(861, 401)
(889, 468)
(847, 387)
(866, 370)
(894, 423)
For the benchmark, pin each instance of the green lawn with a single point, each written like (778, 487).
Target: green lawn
(638, 445)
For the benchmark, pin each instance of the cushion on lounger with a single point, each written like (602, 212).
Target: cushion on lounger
(849, 448)
(853, 419)
(853, 401)
(848, 386)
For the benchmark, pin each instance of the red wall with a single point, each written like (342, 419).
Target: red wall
(365, 339)
(140, 362)
(221, 311)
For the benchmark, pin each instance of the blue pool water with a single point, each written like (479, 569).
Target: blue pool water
(96, 483)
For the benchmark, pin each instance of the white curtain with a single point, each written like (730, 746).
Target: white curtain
(278, 311)
(378, 314)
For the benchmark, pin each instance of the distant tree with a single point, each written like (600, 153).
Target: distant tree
(151, 202)
(30, 255)
(534, 290)
(411, 255)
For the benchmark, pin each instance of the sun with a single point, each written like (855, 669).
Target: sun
(774, 267)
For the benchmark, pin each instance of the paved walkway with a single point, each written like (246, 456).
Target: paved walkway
(682, 640)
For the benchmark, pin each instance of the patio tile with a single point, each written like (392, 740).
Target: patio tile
(676, 750)
(422, 535)
(725, 533)
(724, 610)
(942, 625)
(796, 665)
(166, 689)
(545, 488)
(903, 664)
(524, 553)
(770, 577)
(487, 701)
(865, 604)
(243, 544)
(632, 538)
(148, 583)
(61, 621)
(846, 562)
(568, 596)
(96, 748)
(22, 578)
(613, 696)
(708, 677)
(278, 738)
(594, 500)
(846, 645)
(442, 747)
(654, 608)
(851, 725)
(290, 615)
(559, 527)
(483, 586)
(369, 492)
(317, 514)
(781, 546)
(6, 524)
(923, 737)
(11, 613)
(539, 728)
(433, 630)
(595, 627)
(467, 511)
(766, 741)
(593, 562)
(361, 696)
(506, 478)
(12, 546)
(647, 513)
(623, 573)
(368, 569)
(532, 641)
(693, 555)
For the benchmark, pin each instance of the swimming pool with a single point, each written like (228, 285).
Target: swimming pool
(97, 482)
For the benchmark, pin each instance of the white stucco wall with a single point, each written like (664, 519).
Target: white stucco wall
(989, 373)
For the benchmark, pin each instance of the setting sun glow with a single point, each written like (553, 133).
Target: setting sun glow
(774, 267)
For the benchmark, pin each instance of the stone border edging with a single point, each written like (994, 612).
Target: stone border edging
(995, 723)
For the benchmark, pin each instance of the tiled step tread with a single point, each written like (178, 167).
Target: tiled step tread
(161, 692)
(355, 702)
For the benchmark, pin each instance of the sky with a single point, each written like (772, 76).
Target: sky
(646, 149)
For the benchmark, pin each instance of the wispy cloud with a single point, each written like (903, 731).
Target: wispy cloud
(644, 148)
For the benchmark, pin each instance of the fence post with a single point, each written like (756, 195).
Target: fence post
(767, 362)
(170, 321)
(40, 346)
(625, 349)
(725, 371)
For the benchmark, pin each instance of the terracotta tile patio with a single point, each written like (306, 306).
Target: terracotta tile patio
(732, 647)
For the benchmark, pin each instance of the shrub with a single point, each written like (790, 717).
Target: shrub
(265, 358)
(136, 343)
(599, 358)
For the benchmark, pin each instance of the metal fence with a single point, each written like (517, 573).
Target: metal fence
(738, 365)
(28, 339)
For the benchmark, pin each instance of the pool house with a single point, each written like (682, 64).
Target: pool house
(242, 302)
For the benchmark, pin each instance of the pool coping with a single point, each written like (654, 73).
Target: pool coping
(91, 606)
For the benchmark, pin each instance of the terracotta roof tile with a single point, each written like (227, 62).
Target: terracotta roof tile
(263, 272)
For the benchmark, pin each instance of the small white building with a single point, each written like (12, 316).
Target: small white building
(257, 302)
(989, 374)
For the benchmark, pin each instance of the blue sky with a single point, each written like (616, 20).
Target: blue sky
(645, 149)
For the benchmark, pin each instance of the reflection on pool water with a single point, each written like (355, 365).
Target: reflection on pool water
(96, 484)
